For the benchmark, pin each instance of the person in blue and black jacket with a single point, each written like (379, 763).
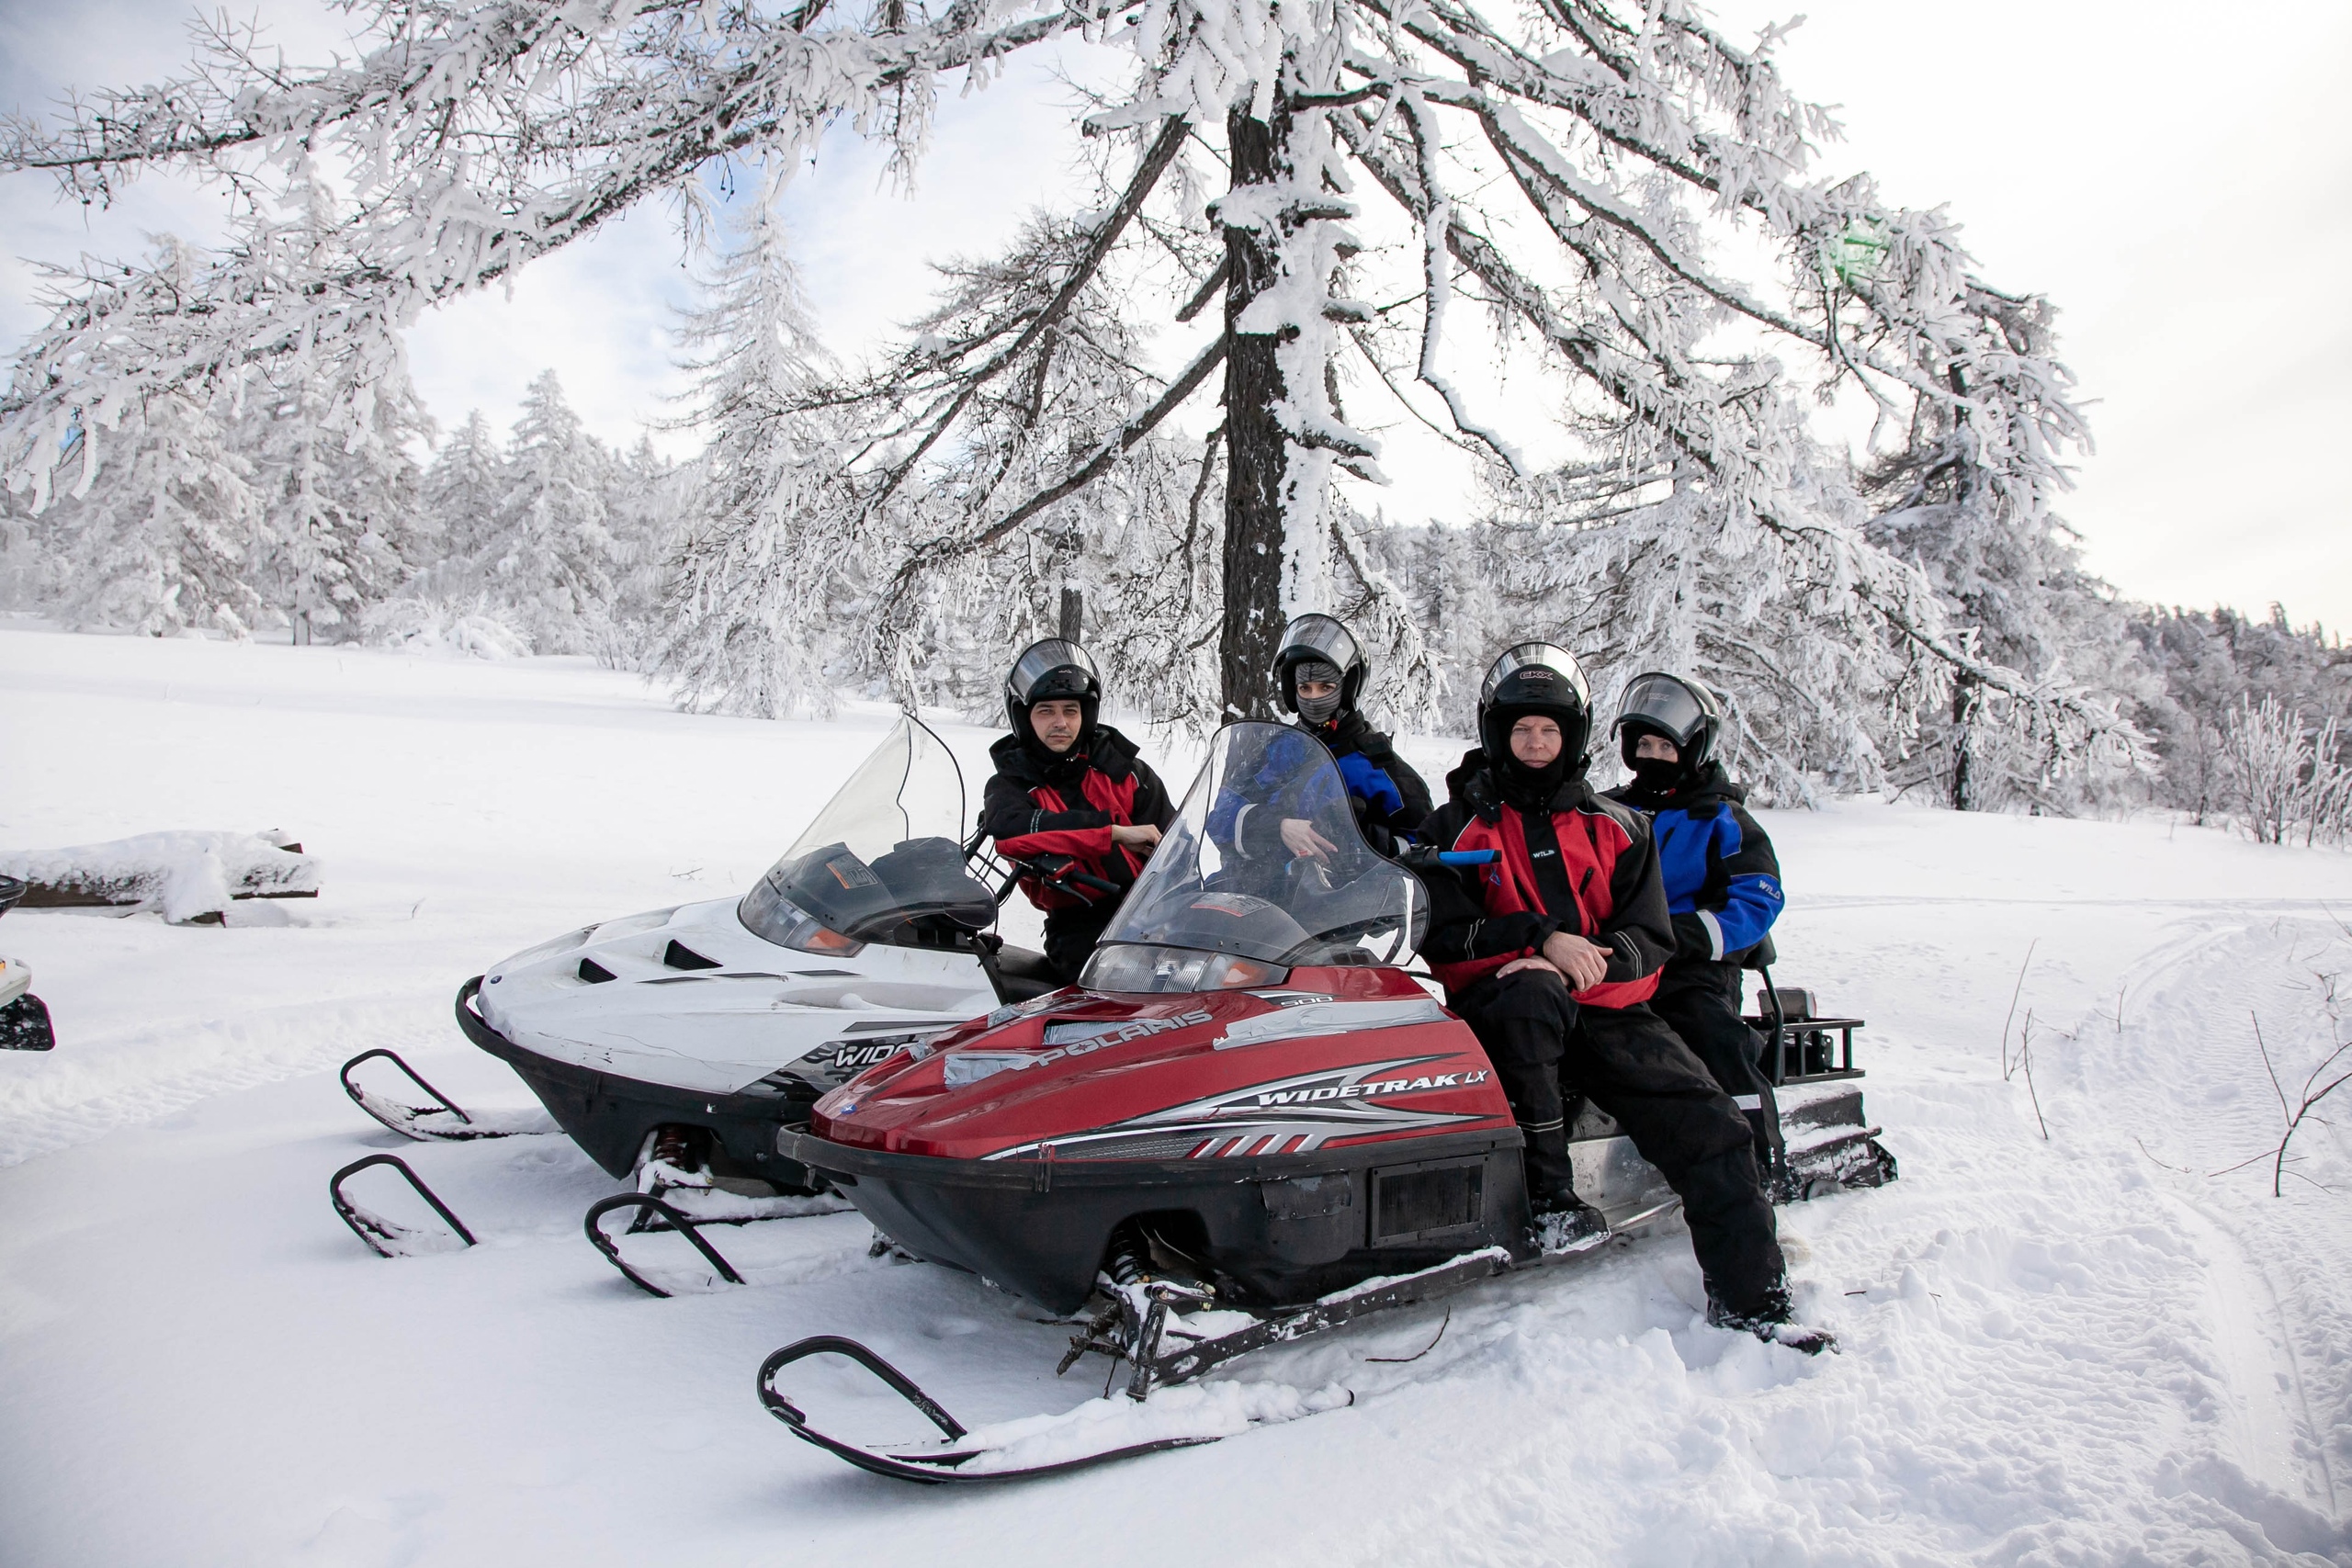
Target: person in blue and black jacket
(1723, 886)
(1319, 673)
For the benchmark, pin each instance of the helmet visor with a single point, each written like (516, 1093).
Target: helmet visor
(1535, 673)
(1323, 637)
(1664, 703)
(1034, 673)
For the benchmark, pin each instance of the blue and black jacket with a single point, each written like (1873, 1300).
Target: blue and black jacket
(1386, 796)
(1722, 882)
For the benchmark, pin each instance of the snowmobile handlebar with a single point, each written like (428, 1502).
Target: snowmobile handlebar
(1420, 857)
(1066, 876)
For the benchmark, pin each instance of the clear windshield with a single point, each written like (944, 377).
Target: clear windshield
(1262, 870)
(883, 862)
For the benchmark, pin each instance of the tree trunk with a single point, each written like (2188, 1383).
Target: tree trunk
(1255, 448)
(1964, 698)
(1073, 615)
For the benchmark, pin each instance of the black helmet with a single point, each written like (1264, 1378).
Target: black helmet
(1535, 678)
(1046, 671)
(1682, 711)
(1319, 639)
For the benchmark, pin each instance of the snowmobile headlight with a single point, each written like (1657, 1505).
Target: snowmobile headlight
(1139, 966)
(970, 1067)
(772, 918)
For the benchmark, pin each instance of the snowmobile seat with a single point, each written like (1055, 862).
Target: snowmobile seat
(1026, 974)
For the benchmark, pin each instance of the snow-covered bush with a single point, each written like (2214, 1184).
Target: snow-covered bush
(434, 624)
(2289, 779)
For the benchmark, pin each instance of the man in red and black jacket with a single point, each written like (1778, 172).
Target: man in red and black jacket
(1551, 951)
(1071, 798)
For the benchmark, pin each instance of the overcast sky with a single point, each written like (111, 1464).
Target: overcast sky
(2183, 195)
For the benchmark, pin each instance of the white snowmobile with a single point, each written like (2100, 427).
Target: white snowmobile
(24, 1017)
(673, 1045)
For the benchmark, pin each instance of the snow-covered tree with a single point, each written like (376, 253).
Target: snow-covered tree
(161, 539)
(551, 555)
(645, 499)
(750, 601)
(339, 516)
(1591, 176)
(462, 488)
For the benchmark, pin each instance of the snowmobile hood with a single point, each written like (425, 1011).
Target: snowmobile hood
(689, 998)
(1336, 1057)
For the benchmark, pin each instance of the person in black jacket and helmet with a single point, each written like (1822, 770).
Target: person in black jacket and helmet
(1070, 795)
(1723, 887)
(1550, 951)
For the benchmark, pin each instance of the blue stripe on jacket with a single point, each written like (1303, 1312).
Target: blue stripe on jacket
(1689, 850)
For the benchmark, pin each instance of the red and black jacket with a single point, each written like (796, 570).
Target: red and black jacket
(1065, 808)
(1586, 866)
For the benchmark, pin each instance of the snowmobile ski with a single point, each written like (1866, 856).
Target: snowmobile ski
(441, 1121)
(1183, 1414)
(388, 1238)
(993, 1454)
(652, 1213)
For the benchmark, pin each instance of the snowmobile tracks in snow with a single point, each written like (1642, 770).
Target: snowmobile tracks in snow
(390, 1238)
(1150, 1325)
(443, 1121)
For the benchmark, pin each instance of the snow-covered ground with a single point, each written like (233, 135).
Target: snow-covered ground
(2077, 1348)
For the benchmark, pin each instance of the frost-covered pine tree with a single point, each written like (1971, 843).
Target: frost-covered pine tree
(161, 539)
(644, 505)
(751, 599)
(1598, 180)
(462, 488)
(339, 513)
(551, 555)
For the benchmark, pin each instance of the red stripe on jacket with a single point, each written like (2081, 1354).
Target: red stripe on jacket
(1591, 842)
(1091, 847)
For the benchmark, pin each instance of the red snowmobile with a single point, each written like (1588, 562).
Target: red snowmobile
(1246, 1124)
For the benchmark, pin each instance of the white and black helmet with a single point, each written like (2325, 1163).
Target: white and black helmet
(1536, 678)
(1056, 668)
(1684, 712)
(1314, 640)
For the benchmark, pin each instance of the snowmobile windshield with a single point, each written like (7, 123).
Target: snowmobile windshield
(1262, 870)
(1664, 704)
(883, 862)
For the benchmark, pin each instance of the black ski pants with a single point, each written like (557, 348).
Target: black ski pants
(1633, 1067)
(1699, 999)
(1070, 936)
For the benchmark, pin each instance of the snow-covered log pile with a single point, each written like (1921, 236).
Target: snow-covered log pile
(187, 876)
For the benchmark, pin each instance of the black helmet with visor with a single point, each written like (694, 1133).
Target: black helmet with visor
(1317, 647)
(1536, 678)
(1683, 712)
(1054, 669)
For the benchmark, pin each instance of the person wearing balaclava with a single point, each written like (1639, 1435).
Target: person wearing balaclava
(1551, 949)
(1723, 887)
(1071, 800)
(1319, 674)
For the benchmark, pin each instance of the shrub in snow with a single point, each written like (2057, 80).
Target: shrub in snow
(2288, 780)
(422, 623)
